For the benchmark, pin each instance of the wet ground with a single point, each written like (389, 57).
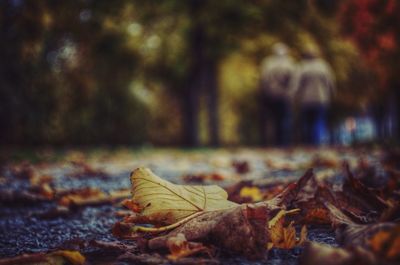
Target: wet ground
(24, 230)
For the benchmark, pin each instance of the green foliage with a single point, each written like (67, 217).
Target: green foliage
(68, 75)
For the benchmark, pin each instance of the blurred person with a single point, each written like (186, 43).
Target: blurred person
(277, 74)
(315, 87)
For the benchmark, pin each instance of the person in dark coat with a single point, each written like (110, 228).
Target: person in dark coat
(315, 87)
(277, 74)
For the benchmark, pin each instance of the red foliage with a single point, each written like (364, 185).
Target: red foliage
(372, 26)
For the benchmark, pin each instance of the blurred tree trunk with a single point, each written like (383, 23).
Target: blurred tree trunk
(211, 87)
(202, 76)
(193, 85)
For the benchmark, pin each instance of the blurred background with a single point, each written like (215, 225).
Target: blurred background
(187, 73)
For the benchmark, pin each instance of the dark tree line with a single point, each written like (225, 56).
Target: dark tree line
(67, 67)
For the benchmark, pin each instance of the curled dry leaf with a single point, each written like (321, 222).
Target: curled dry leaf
(365, 195)
(163, 202)
(239, 230)
(356, 201)
(280, 236)
(380, 240)
(179, 247)
(203, 214)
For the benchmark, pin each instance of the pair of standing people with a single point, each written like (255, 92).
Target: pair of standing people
(310, 83)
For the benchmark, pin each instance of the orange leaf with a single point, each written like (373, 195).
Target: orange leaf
(387, 243)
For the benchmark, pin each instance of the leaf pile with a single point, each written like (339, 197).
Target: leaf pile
(259, 214)
(202, 215)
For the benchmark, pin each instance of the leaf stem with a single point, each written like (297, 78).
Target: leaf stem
(138, 228)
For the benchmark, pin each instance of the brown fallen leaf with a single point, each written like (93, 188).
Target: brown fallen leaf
(200, 178)
(294, 192)
(85, 196)
(179, 247)
(380, 240)
(24, 170)
(85, 170)
(37, 180)
(234, 191)
(210, 224)
(386, 244)
(215, 227)
(361, 192)
(317, 254)
(89, 196)
(44, 189)
(123, 213)
(241, 167)
(124, 230)
(131, 205)
(360, 235)
(115, 246)
(37, 258)
(280, 236)
(357, 202)
(24, 197)
(58, 257)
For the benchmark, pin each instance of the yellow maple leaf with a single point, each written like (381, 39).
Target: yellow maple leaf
(163, 202)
